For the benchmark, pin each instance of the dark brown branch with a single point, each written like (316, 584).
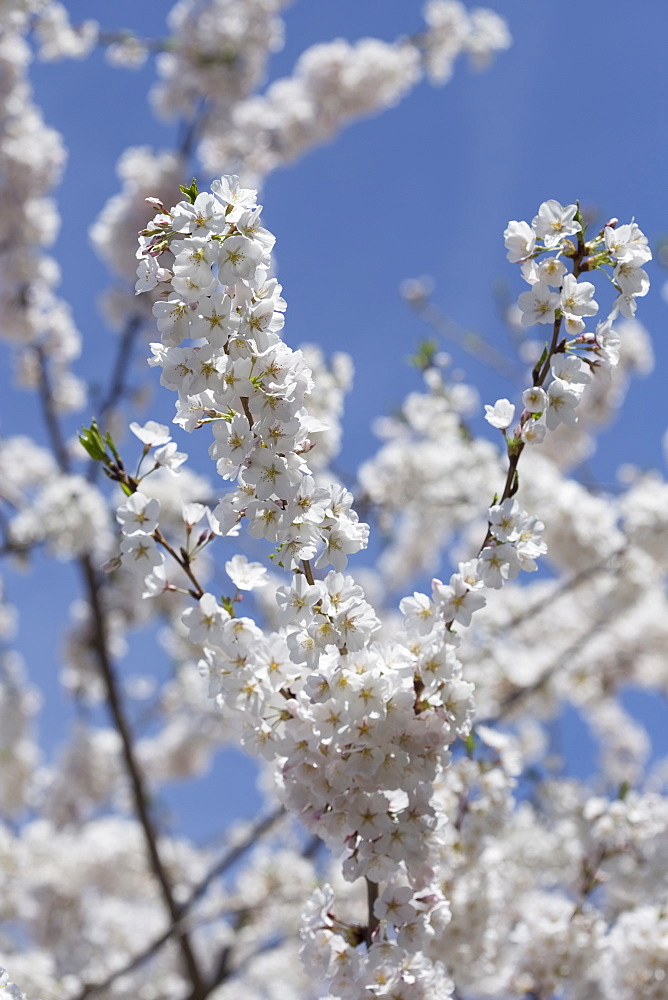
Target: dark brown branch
(139, 793)
(222, 865)
(308, 572)
(50, 415)
(101, 646)
(372, 896)
(117, 383)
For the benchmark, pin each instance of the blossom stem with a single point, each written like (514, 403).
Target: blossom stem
(184, 563)
(372, 896)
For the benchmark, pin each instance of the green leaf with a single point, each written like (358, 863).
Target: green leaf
(91, 440)
(425, 354)
(190, 192)
(624, 790)
(228, 604)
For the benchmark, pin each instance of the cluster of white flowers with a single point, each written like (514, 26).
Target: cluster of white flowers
(358, 730)
(10, 990)
(31, 160)
(242, 379)
(428, 476)
(19, 703)
(58, 38)
(333, 83)
(338, 82)
(69, 514)
(453, 30)
(66, 512)
(218, 53)
(558, 298)
(482, 874)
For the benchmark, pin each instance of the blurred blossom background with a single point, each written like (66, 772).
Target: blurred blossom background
(404, 208)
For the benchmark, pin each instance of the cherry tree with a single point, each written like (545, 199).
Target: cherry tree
(418, 838)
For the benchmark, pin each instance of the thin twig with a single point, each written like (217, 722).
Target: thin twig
(472, 343)
(117, 383)
(563, 588)
(184, 563)
(50, 415)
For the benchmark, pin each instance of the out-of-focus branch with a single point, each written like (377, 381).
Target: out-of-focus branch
(515, 697)
(117, 383)
(150, 44)
(476, 346)
(93, 589)
(228, 859)
(139, 793)
(373, 922)
(56, 438)
(563, 588)
(222, 967)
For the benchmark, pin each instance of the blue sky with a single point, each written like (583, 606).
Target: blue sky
(575, 109)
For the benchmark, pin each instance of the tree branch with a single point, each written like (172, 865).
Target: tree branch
(100, 642)
(226, 861)
(139, 793)
(117, 386)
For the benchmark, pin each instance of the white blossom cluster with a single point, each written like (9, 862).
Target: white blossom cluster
(219, 53)
(359, 730)
(95, 875)
(452, 29)
(242, 379)
(32, 158)
(66, 512)
(560, 299)
(337, 82)
(19, 703)
(454, 874)
(57, 37)
(10, 990)
(427, 477)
